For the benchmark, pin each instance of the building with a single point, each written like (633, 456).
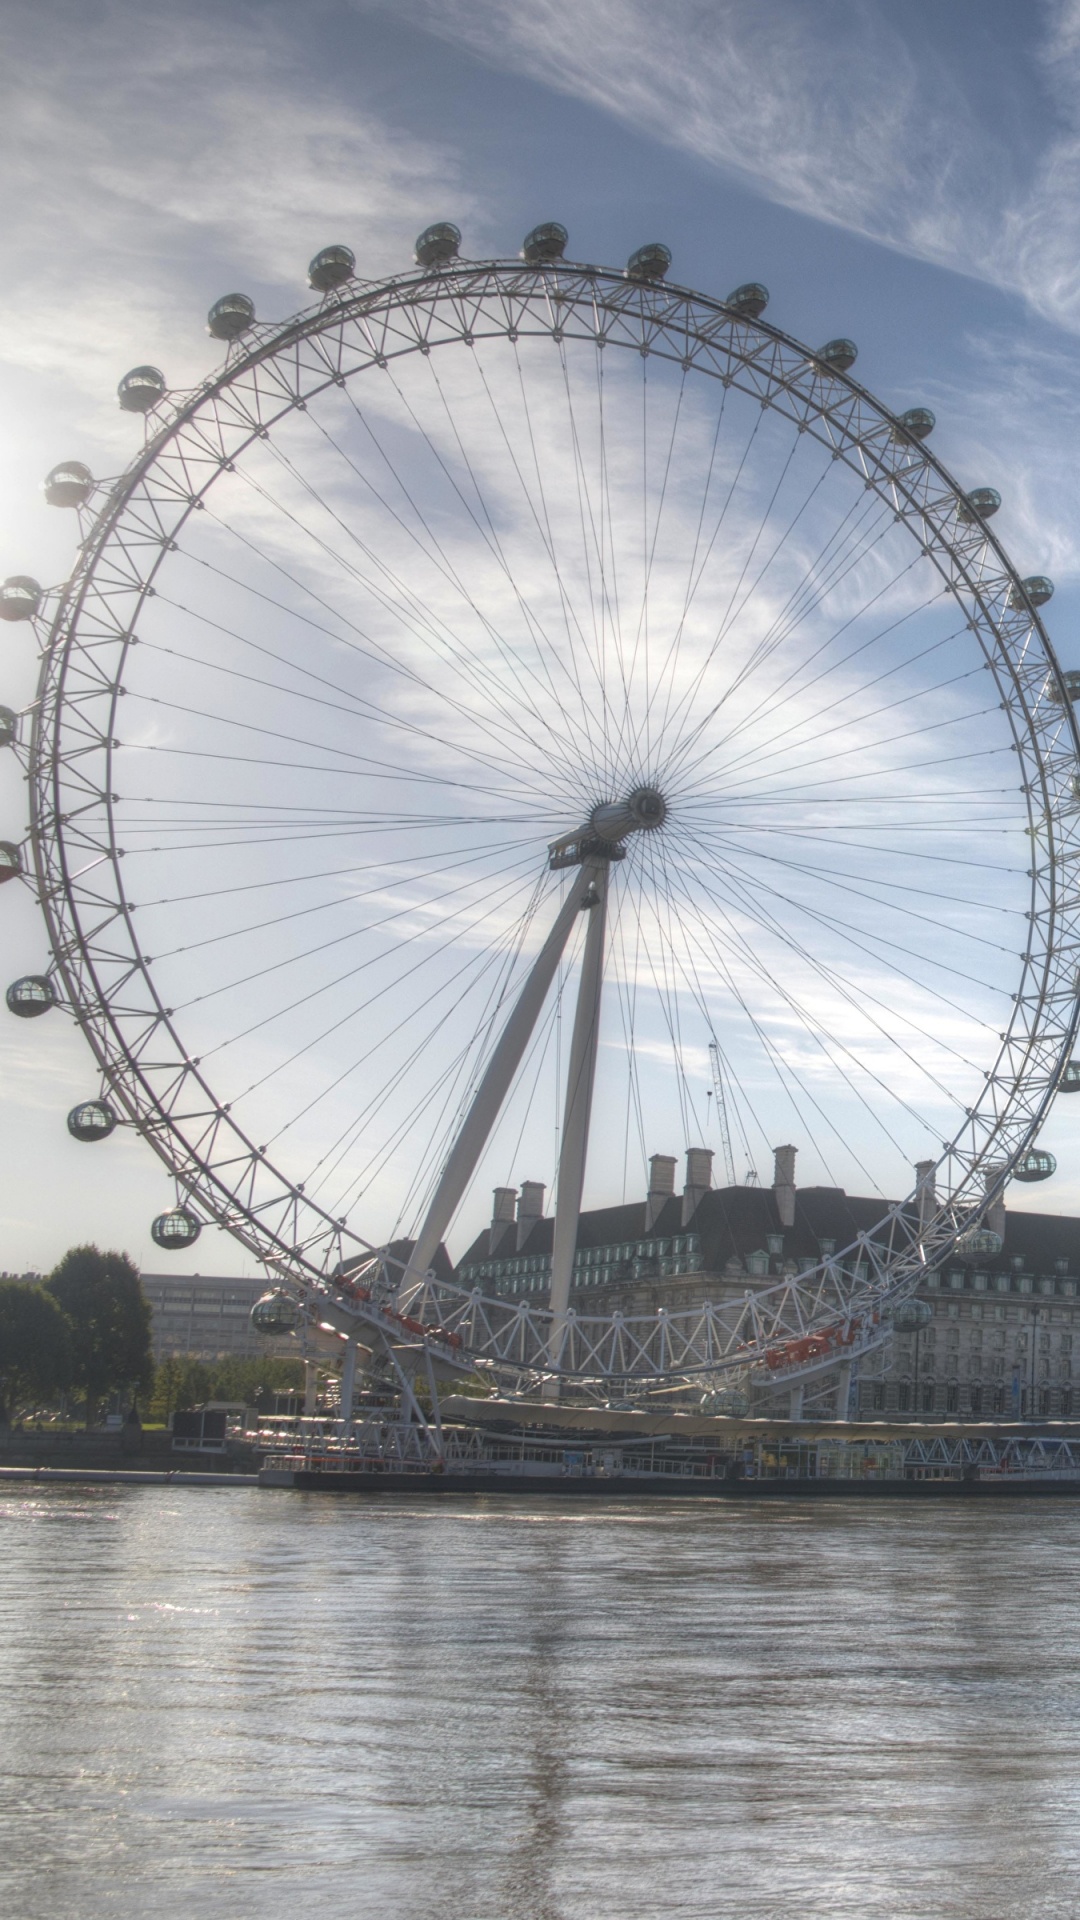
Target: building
(1003, 1334)
(204, 1315)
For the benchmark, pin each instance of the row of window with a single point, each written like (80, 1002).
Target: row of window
(1002, 1283)
(983, 1399)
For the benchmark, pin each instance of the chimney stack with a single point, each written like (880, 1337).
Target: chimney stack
(698, 1181)
(784, 1183)
(530, 1209)
(994, 1216)
(502, 1218)
(925, 1192)
(661, 1187)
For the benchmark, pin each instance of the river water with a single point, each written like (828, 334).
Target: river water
(226, 1703)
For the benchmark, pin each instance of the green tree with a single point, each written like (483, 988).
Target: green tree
(35, 1346)
(102, 1295)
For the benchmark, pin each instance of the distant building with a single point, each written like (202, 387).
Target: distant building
(204, 1315)
(1003, 1339)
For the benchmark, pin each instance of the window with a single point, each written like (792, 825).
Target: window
(1025, 1283)
(1001, 1282)
(1066, 1403)
(952, 1397)
(774, 1242)
(976, 1400)
(827, 1246)
(903, 1397)
(933, 1279)
(758, 1263)
(928, 1397)
(956, 1281)
(1046, 1286)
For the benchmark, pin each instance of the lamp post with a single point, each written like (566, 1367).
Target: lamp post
(911, 1316)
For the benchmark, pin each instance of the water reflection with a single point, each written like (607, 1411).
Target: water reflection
(232, 1703)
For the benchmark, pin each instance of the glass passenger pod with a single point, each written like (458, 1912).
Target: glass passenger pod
(68, 485)
(9, 727)
(545, 243)
(917, 423)
(911, 1315)
(20, 597)
(650, 262)
(1071, 684)
(837, 355)
(977, 1242)
(230, 316)
(750, 301)
(437, 245)
(141, 389)
(1033, 592)
(92, 1120)
(175, 1230)
(981, 504)
(275, 1313)
(1070, 1078)
(1034, 1165)
(10, 861)
(331, 267)
(31, 995)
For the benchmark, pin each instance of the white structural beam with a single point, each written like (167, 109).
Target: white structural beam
(487, 1101)
(578, 1104)
(348, 1379)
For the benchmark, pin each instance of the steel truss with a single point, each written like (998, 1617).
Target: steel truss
(88, 626)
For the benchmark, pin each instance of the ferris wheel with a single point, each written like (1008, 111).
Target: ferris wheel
(493, 696)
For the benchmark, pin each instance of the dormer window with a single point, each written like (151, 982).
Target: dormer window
(758, 1262)
(828, 1246)
(775, 1242)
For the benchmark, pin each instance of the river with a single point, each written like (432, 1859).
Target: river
(217, 1704)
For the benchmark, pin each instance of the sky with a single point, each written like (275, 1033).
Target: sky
(903, 173)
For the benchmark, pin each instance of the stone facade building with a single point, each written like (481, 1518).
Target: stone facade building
(1003, 1338)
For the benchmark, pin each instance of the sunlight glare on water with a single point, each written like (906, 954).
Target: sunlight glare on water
(230, 1703)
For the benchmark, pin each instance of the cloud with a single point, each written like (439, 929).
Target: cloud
(829, 110)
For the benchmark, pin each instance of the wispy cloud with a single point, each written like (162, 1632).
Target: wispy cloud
(830, 110)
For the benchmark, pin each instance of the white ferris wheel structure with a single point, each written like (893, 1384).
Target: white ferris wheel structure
(488, 693)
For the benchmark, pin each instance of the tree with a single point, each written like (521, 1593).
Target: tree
(35, 1346)
(102, 1295)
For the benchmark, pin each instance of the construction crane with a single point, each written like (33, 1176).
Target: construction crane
(721, 1112)
(751, 1178)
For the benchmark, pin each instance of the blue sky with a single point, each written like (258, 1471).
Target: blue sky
(908, 174)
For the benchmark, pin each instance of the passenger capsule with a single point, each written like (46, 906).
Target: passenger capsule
(982, 504)
(838, 355)
(1034, 1165)
(911, 1315)
(1070, 1077)
(175, 1230)
(230, 316)
(20, 597)
(68, 485)
(1034, 592)
(331, 268)
(544, 243)
(10, 861)
(91, 1120)
(141, 389)
(732, 1403)
(275, 1313)
(438, 245)
(749, 301)
(917, 422)
(9, 727)
(1071, 684)
(979, 1242)
(649, 263)
(30, 996)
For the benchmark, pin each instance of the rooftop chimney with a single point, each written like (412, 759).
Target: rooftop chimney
(698, 1181)
(530, 1209)
(661, 1187)
(995, 1212)
(783, 1184)
(502, 1217)
(925, 1192)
